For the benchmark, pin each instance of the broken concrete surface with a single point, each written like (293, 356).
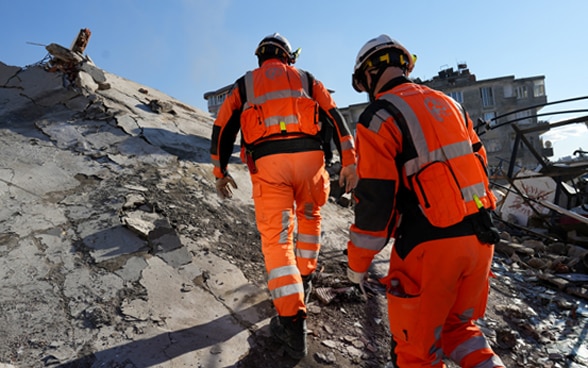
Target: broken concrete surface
(66, 208)
(115, 250)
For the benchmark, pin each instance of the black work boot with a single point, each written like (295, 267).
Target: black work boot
(291, 331)
(307, 285)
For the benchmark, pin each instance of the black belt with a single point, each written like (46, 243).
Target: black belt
(291, 145)
(416, 230)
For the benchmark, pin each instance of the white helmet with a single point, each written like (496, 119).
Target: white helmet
(276, 45)
(381, 51)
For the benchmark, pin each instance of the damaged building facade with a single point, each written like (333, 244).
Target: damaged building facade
(115, 250)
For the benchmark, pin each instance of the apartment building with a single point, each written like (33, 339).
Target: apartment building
(216, 98)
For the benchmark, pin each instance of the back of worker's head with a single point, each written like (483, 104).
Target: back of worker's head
(375, 57)
(275, 46)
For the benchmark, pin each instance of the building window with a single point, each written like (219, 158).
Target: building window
(456, 95)
(488, 116)
(487, 96)
(218, 99)
(522, 92)
(523, 117)
(539, 88)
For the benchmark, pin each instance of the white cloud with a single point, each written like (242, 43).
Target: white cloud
(564, 132)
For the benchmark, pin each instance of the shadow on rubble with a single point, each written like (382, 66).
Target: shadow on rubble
(266, 352)
(582, 336)
(169, 345)
(185, 146)
(116, 136)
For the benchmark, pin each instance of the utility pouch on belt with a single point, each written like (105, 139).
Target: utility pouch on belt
(484, 226)
(250, 161)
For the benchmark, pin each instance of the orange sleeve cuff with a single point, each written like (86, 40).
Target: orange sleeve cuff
(217, 172)
(359, 259)
(348, 158)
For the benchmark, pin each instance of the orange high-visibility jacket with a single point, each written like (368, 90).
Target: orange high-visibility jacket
(273, 102)
(421, 168)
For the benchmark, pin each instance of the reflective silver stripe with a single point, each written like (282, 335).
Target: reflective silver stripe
(216, 162)
(466, 316)
(448, 152)
(305, 86)
(455, 150)
(478, 189)
(416, 133)
(444, 153)
(436, 155)
(307, 238)
(458, 105)
(461, 110)
(303, 253)
(412, 166)
(285, 226)
(347, 145)
(287, 290)
(283, 271)
(273, 95)
(276, 95)
(277, 120)
(248, 89)
(367, 241)
(469, 346)
(377, 120)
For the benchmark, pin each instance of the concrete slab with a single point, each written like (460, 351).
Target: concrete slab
(61, 215)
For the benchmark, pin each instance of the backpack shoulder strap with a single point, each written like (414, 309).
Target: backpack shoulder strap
(240, 84)
(310, 81)
(377, 112)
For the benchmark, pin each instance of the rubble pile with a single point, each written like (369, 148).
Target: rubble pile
(116, 252)
(541, 295)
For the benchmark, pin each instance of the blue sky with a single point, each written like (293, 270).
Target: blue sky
(185, 48)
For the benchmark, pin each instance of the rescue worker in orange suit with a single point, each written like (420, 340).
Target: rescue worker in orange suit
(276, 108)
(423, 182)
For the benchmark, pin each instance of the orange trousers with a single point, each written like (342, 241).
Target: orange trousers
(434, 296)
(288, 191)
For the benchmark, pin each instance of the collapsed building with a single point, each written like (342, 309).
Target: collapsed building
(110, 226)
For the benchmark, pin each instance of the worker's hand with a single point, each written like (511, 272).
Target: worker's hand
(223, 190)
(348, 178)
(357, 278)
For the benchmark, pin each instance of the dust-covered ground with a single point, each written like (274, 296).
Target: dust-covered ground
(116, 252)
(529, 323)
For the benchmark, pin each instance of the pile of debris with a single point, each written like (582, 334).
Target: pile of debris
(121, 240)
(71, 61)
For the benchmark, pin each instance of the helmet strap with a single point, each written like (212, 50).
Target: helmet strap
(375, 77)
